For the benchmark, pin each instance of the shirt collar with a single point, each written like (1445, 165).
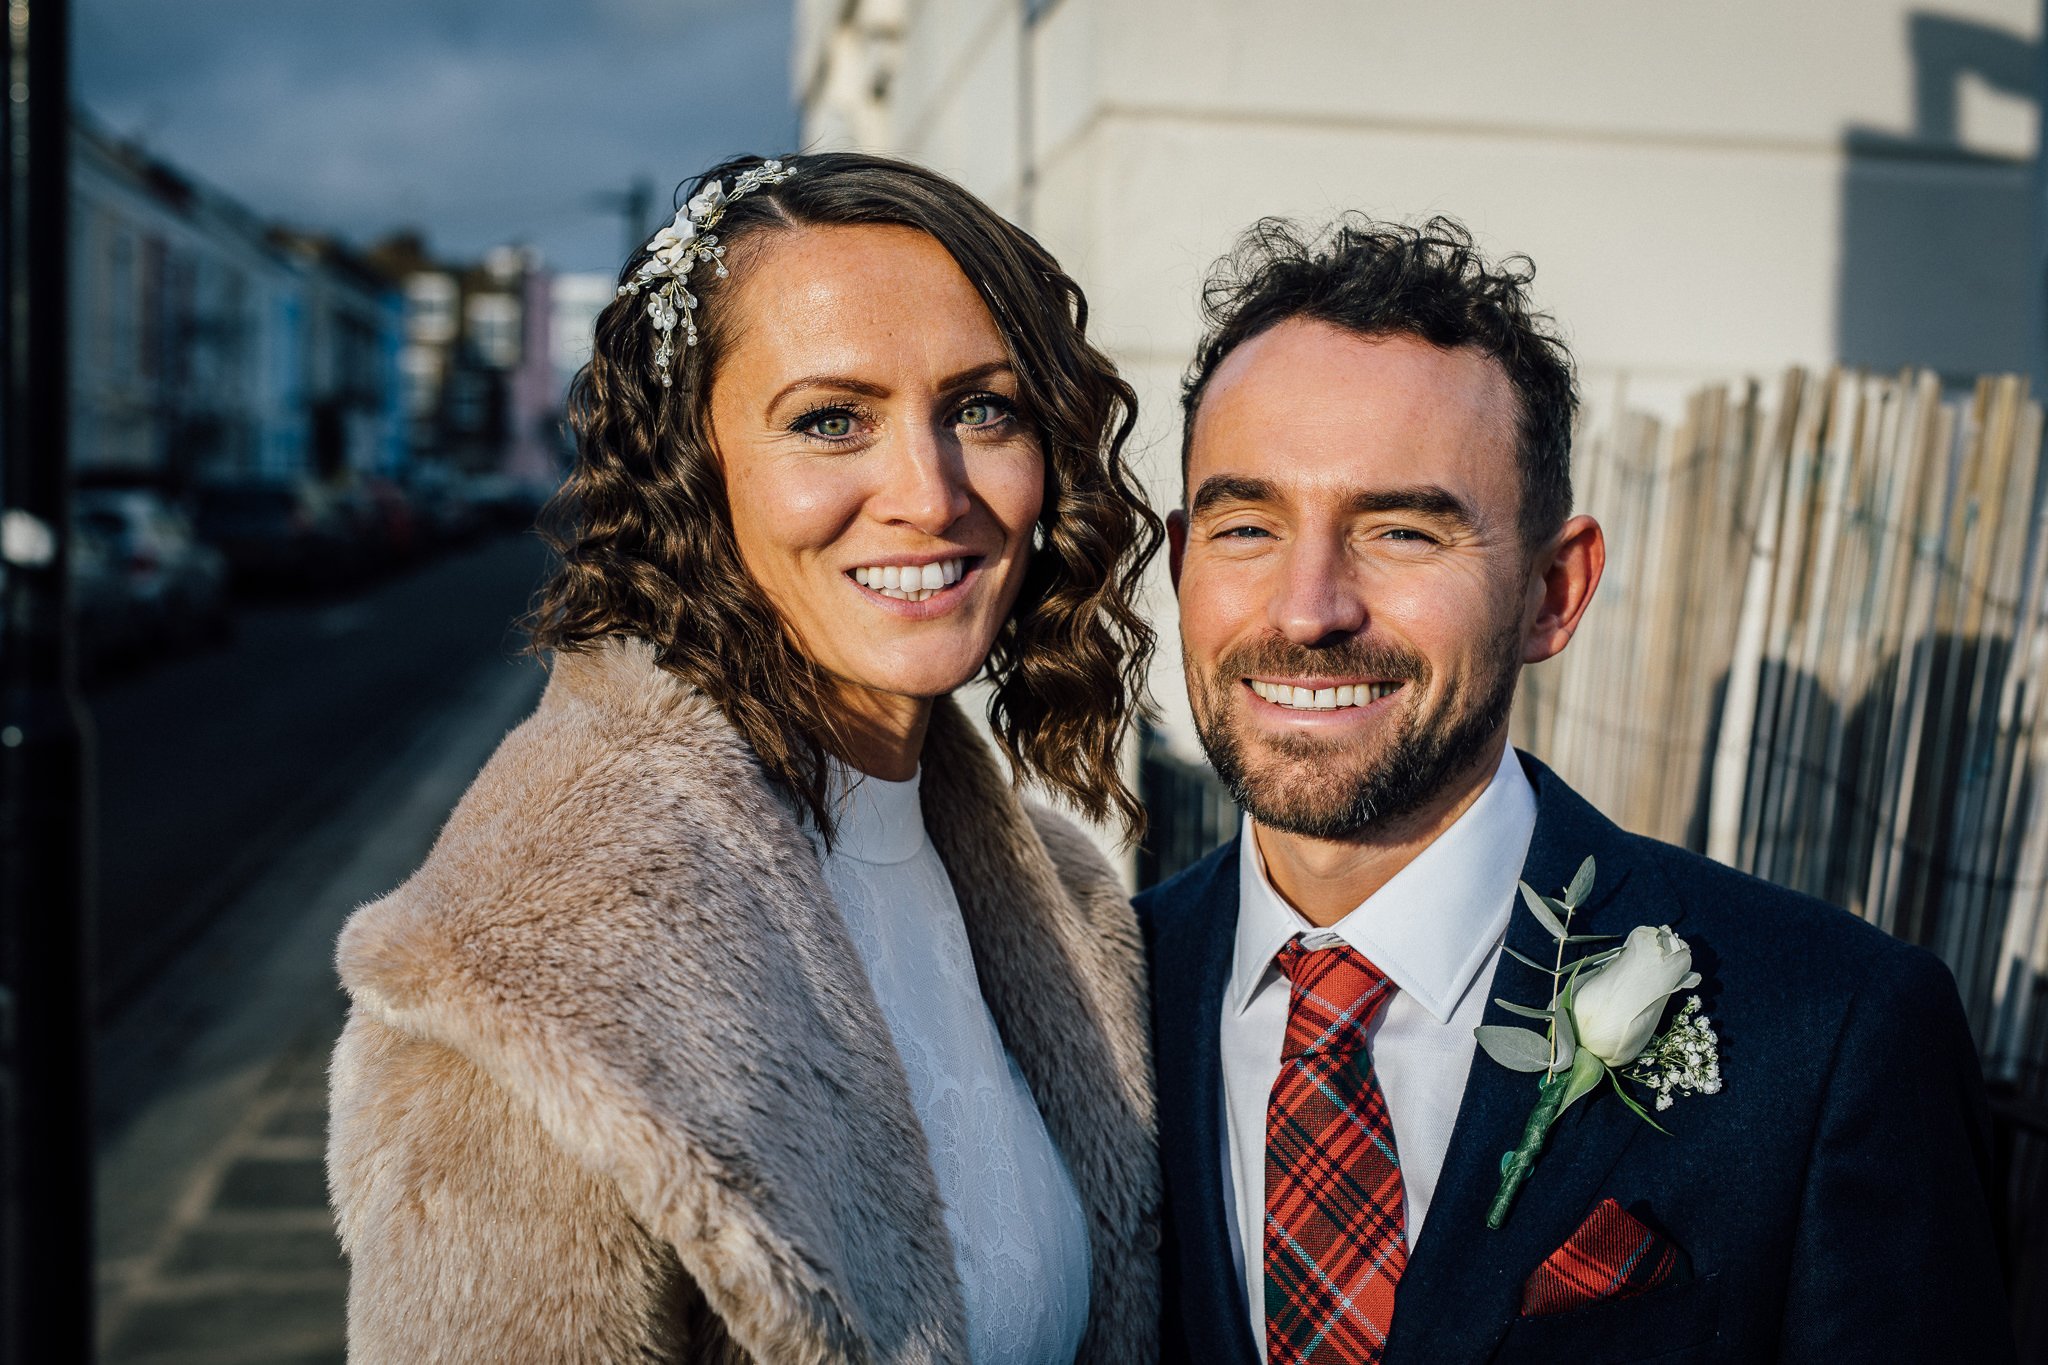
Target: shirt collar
(1431, 927)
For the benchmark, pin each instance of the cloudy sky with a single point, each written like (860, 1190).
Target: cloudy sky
(479, 121)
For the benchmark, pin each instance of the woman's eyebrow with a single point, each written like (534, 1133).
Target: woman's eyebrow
(973, 374)
(976, 374)
(840, 382)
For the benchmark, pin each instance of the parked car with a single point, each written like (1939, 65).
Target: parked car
(280, 535)
(503, 501)
(396, 521)
(110, 627)
(176, 583)
(446, 514)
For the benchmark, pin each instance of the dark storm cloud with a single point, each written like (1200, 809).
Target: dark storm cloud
(480, 121)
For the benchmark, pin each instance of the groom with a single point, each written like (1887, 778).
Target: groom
(1375, 538)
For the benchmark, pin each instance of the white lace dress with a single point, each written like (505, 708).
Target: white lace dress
(1020, 1239)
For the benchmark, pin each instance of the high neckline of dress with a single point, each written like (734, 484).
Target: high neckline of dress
(875, 821)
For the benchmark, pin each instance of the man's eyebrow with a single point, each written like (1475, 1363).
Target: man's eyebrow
(1427, 500)
(1229, 488)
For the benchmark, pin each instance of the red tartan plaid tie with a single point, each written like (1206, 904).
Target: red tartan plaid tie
(1334, 1245)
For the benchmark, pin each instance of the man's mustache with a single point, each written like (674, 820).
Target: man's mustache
(1350, 659)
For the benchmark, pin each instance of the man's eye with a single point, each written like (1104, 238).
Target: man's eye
(1241, 533)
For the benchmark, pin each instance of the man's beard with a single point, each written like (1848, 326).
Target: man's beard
(1338, 789)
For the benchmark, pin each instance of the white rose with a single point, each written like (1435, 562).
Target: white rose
(1616, 1008)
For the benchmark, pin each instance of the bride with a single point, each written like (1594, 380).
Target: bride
(743, 1010)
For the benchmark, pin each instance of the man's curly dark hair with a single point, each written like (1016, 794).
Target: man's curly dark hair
(1380, 279)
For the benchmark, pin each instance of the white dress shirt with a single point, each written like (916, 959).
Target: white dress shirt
(1020, 1236)
(1434, 929)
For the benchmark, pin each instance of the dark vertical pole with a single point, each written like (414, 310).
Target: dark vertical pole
(45, 1138)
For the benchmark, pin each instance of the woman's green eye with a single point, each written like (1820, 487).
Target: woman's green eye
(834, 425)
(985, 413)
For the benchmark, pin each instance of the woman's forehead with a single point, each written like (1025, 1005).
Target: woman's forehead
(841, 295)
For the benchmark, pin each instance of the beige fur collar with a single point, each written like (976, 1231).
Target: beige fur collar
(627, 930)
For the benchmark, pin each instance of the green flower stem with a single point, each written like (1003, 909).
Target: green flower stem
(1515, 1168)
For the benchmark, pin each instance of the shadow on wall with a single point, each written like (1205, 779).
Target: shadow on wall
(1940, 258)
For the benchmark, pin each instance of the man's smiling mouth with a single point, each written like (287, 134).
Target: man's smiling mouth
(1321, 698)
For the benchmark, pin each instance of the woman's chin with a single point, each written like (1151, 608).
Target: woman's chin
(925, 678)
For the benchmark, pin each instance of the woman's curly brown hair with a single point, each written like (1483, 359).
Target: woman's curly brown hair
(644, 534)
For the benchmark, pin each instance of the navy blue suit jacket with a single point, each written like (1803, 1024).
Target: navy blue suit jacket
(1833, 1200)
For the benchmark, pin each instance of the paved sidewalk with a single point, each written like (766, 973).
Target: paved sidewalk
(247, 1269)
(216, 1246)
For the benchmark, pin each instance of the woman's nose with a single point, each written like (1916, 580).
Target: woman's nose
(924, 483)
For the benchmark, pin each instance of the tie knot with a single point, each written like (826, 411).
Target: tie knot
(1334, 995)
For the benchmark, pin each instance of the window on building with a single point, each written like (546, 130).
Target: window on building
(430, 309)
(494, 329)
(419, 369)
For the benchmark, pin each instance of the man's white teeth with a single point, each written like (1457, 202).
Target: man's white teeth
(1322, 698)
(911, 582)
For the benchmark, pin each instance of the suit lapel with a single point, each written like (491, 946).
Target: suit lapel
(1463, 1283)
(1191, 964)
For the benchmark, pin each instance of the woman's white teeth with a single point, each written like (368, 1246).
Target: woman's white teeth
(911, 582)
(1322, 698)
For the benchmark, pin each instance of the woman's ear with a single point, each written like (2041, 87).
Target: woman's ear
(1562, 580)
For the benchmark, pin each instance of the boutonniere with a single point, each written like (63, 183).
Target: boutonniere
(1600, 1025)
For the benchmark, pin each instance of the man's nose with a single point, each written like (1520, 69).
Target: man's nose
(924, 483)
(1317, 596)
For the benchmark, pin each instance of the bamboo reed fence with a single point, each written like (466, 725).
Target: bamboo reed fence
(1820, 653)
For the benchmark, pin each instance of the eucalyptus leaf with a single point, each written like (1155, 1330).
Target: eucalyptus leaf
(1590, 938)
(1527, 1012)
(1582, 884)
(1545, 916)
(1517, 1049)
(1527, 962)
(1567, 1041)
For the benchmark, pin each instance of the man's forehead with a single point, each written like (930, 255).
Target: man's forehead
(1331, 412)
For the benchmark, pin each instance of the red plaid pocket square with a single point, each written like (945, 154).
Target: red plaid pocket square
(1611, 1256)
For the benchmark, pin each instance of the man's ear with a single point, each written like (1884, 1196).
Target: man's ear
(1561, 584)
(1176, 545)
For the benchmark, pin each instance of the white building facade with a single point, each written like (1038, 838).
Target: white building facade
(1707, 191)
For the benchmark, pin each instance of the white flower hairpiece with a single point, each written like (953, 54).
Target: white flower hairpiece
(674, 252)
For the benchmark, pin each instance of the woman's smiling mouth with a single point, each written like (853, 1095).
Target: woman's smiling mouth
(912, 582)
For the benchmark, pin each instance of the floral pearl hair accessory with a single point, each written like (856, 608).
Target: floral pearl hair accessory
(674, 252)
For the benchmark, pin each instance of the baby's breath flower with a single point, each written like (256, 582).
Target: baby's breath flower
(1684, 1060)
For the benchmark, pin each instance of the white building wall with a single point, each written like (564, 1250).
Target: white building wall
(1706, 190)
